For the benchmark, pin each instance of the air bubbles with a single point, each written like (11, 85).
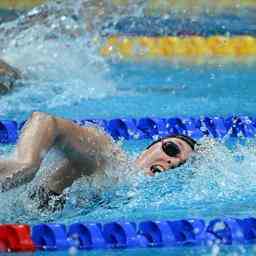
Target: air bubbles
(72, 251)
(63, 18)
(218, 226)
(212, 76)
(215, 250)
(33, 12)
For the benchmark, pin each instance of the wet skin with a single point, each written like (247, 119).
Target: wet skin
(86, 151)
(155, 157)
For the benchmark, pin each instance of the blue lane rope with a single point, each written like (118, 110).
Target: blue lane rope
(157, 26)
(117, 234)
(150, 128)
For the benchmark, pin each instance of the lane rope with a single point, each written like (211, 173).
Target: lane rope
(153, 128)
(171, 25)
(152, 6)
(184, 47)
(121, 234)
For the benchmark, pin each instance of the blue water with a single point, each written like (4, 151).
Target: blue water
(220, 183)
(63, 77)
(190, 251)
(170, 90)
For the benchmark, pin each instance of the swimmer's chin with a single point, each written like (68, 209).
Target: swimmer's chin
(149, 173)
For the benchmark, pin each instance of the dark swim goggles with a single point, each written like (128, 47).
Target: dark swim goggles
(170, 148)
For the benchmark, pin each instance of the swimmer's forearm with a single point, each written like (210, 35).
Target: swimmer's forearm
(63, 176)
(14, 174)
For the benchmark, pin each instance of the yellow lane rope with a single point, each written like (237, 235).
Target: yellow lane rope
(196, 6)
(170, 47)
(151, 6)
(19, 4)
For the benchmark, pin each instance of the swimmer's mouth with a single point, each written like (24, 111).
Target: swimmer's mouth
(156, 169)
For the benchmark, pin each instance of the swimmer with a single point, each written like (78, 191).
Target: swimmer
(8, 76)
(87, 150)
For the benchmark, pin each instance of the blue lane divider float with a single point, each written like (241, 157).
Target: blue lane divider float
(186, 232)
(8, 131)
(146, 128)
(159, 26)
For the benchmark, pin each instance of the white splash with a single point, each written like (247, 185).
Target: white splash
(59, 60)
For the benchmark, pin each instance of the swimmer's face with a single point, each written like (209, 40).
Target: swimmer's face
(155, 158)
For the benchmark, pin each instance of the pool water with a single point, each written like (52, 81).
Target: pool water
(67, 77)
(170, 90)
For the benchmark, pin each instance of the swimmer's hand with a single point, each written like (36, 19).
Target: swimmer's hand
(8, 77)
(13, 174)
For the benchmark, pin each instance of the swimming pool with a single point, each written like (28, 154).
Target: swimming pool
(70, 81)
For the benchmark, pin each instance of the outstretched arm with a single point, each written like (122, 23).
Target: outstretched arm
(37, 137)
(83, 146)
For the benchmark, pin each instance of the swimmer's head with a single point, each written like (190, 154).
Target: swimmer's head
(166, 153)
